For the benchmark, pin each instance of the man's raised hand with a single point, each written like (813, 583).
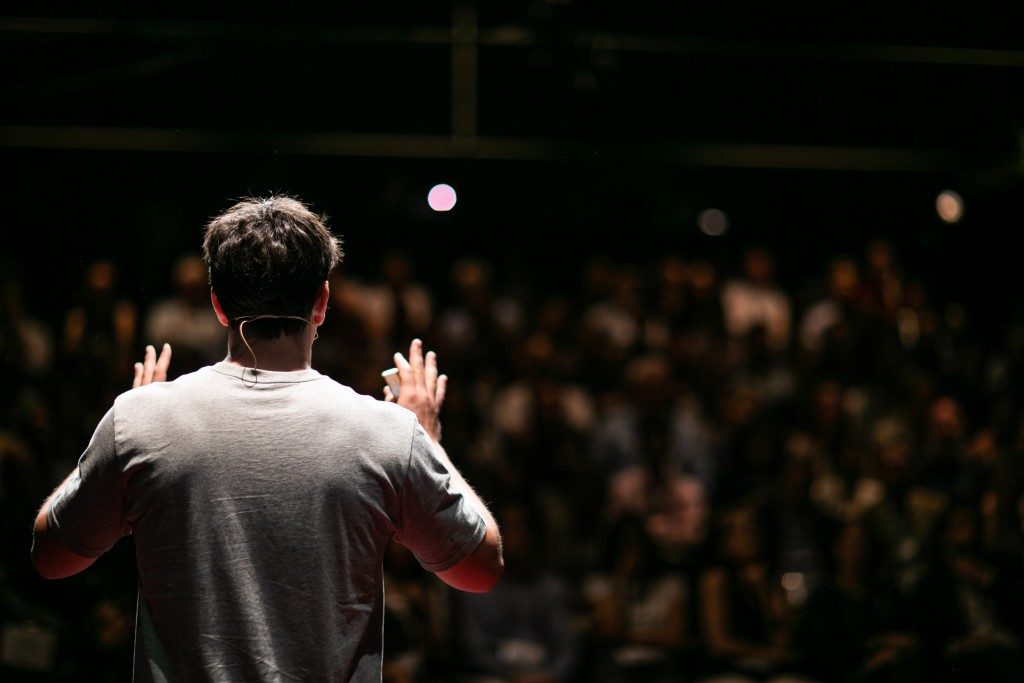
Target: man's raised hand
(152, 369)
(421, 389)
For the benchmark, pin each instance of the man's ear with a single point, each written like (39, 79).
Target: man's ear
(320, 305)
(218, 310)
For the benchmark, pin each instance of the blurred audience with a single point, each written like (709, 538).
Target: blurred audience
(186, 321)
(858, 444)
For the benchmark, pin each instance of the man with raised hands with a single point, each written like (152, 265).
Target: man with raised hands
(261, 494)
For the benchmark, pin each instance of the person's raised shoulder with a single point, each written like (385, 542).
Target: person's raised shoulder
(146, 393)
(399, 417)
(384, 424)
(344, 394)
(151, 399)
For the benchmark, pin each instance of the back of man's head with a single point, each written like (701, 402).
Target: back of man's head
(269, 257)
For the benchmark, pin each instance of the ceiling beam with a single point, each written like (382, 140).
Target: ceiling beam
(809, 157)
(510, 36)
(240, 31)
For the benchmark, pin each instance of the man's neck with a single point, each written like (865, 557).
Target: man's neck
(284, 354)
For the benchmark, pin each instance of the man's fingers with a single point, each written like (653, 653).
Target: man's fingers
(137, 382)
(148, 365)
(416, 359)
(442, 387)
(162, 363)
(388, 396)
(430, 373)
(404, 370)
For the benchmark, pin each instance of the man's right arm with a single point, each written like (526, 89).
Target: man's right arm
(422, 391)
(481, 569)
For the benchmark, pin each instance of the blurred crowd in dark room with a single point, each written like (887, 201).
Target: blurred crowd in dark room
(700, 474)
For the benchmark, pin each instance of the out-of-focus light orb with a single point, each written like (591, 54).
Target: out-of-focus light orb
(713, 222)
(792, 581)
(950, 206)
(442, 197)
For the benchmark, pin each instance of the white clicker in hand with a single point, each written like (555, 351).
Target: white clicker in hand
(391, 377)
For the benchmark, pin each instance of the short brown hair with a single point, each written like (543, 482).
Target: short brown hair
(269, 257)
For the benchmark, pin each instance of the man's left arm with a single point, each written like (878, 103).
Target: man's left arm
(84, 516)
(50, 556)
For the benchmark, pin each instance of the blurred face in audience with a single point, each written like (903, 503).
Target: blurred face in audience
(945, 419)
(844, 279)
(983, 448)
(741, 405)
(651, 381)
(741, 541)
(553, 316)
(599, 278)
(673, 272)
(880, 257)
(472, 280)
(100, 276)
(758, 266)
(538, 354)
(190, 280)
(702, 279)
(397, 269)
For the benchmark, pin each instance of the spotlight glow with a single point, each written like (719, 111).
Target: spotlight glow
(713, 222)
(442, 197)
(950, 206)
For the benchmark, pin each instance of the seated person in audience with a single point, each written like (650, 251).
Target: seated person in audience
(521, 631)
(966, 603)
(756, 300)
(745, 620)
(855, 627)
(638, 611)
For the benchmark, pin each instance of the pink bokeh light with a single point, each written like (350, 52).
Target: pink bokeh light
(441, 197)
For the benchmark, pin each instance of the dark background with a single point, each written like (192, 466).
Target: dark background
(596, 130)
(570, 130)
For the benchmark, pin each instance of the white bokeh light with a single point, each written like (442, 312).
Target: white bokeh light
(713, 222)
(442, 197)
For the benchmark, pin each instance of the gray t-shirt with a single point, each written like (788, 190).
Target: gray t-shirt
(261, 513)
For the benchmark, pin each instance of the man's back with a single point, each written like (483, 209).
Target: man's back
(261, 508)
(262, 499)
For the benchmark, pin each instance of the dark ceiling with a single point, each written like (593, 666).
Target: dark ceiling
(607, 125)
(691, 84)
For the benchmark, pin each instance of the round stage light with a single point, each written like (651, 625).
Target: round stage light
(950, 206)
(713, 222)
(442, 197)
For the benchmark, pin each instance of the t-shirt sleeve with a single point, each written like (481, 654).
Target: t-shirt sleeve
(88, 513)
(437, 524)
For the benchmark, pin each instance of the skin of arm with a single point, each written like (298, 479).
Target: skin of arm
(480, 571)
(422, 390)
(51, 557)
